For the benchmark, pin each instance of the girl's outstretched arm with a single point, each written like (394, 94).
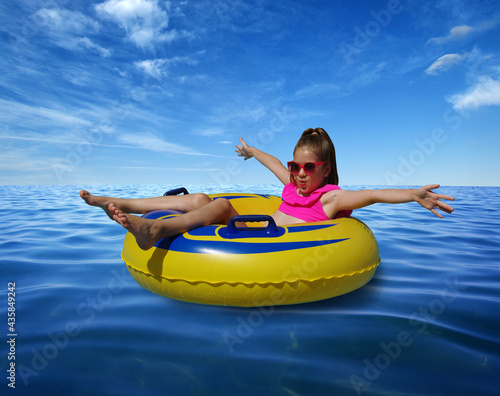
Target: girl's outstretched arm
(270, 162)
(344, 199)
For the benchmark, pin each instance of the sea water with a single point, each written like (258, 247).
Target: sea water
(428, 323)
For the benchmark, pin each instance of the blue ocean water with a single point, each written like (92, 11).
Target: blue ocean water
(427, 324)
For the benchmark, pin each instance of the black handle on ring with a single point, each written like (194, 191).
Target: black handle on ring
(231, 231)
(176, 191)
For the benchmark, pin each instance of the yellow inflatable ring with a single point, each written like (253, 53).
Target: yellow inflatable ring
(256, 266)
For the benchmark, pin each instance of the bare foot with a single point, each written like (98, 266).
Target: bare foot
(94, 200)
(140, 227)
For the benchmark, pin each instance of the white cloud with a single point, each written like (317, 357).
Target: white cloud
(62, 20)
(456, 33)
(26, 160)
(210, 132)
(152, 142)
(25, 115)
(444, 63)
(70, 29)
(82, 44)
(157, 68)
(154, 68)
(166, 168)
(193, 79)
(485, 92)
(85, 42)
(149, 141)
(144, 21)
(462, 32)
(142, 141)
(45, 140)
(472, 60)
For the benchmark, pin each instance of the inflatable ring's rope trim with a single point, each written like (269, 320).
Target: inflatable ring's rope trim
(278, 285)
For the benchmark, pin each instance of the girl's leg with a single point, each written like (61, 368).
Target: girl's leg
(148, 231)
(183, 203)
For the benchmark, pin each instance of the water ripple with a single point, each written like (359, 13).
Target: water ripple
(431, 308)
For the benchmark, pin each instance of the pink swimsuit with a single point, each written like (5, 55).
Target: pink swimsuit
(308, 208)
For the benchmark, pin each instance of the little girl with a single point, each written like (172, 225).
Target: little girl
(311, 193)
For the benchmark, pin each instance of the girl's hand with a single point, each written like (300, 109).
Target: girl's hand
(244, 150)
(270, 162)
(430, 200)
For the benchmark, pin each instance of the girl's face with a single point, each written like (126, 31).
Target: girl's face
(309, 183)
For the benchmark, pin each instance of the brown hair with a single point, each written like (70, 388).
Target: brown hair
(318, 141)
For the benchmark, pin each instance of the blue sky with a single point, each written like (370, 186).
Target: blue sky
(147, 91)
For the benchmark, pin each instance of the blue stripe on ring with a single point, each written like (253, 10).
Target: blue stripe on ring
(182, 245)
(305, 228)
(229, 197)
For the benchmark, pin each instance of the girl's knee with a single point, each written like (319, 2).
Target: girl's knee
(223, 203)
(200, 199)
(220, 205)
(225, 209)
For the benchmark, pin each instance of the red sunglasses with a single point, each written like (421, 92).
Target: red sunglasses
(309, 167)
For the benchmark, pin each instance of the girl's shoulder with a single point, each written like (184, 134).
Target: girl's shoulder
(330, 201)
(329, 192)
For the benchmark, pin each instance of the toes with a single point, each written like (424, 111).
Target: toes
(116, 213)
(85, 195)
(120, 217)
